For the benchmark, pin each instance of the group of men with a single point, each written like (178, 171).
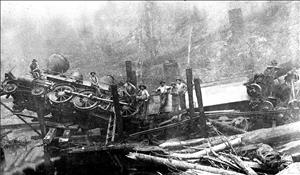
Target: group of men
(141, 95)
(177, 90)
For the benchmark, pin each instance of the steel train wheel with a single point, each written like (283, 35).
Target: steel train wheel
(10, 88)
(266, 105)
(85, 103)
(58, 94)
(254, 90)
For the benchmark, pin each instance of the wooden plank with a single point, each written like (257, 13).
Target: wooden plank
(49, 136)
(119, 119)
(202, 119)
(189, 79)
(128, 67)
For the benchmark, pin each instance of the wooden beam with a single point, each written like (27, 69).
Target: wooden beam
(49, 136)
(134, 78)
(189, 79)
(202, 120)
(119, 120)
(128, 67)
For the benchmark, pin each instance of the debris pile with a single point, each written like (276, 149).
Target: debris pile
(249, 153)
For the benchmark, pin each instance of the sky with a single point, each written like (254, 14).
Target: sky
(40, 10)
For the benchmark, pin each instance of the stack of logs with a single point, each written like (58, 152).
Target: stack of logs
(248, 153)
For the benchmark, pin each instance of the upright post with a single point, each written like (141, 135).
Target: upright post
(40, 114)
(189, 79)
(202, 120)
(134, 78)
(128, 66)
(119, 120)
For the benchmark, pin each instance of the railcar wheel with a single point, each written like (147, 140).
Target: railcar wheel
(58, 94)
(127, 110)
(266, 105)
(10, 88)
(85, 103)
(254, 90)
(37, 91)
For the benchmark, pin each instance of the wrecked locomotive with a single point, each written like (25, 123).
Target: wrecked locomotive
(72, 99)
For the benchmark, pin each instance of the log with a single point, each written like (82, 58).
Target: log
(215, 141)
(205, 151)
(273, 136)
(179, 164)
(290, 148)
(240, 163)
(175, 144)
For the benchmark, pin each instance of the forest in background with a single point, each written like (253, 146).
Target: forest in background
(150, 33)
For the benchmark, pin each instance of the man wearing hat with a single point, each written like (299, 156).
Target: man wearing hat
(94, 78)
(143, 97)
(181, 87)
(34, 69)
(163, 90)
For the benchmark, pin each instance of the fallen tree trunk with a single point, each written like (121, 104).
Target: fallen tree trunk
(175, 144)
(205, 151)
(215, 141)
(271, 136)
(180, 164)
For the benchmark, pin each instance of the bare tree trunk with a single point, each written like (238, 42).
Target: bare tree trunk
(189, 46)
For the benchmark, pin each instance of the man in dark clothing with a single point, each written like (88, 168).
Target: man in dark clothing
(143, 97)
(34, 69)
(94, 79)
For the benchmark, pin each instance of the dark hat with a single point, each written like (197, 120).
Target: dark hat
(173, 83)
(91, 73)
(161, 82)
(178, 78)
(142, 86)
(34, 60)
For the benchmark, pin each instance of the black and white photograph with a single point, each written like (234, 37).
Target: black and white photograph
(150, 88)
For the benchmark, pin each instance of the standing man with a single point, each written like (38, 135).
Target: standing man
(143, 97)
(163, 91)
(175, 97)
(94, 78)
(34, 69)
(182, 88)
(129, 91)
